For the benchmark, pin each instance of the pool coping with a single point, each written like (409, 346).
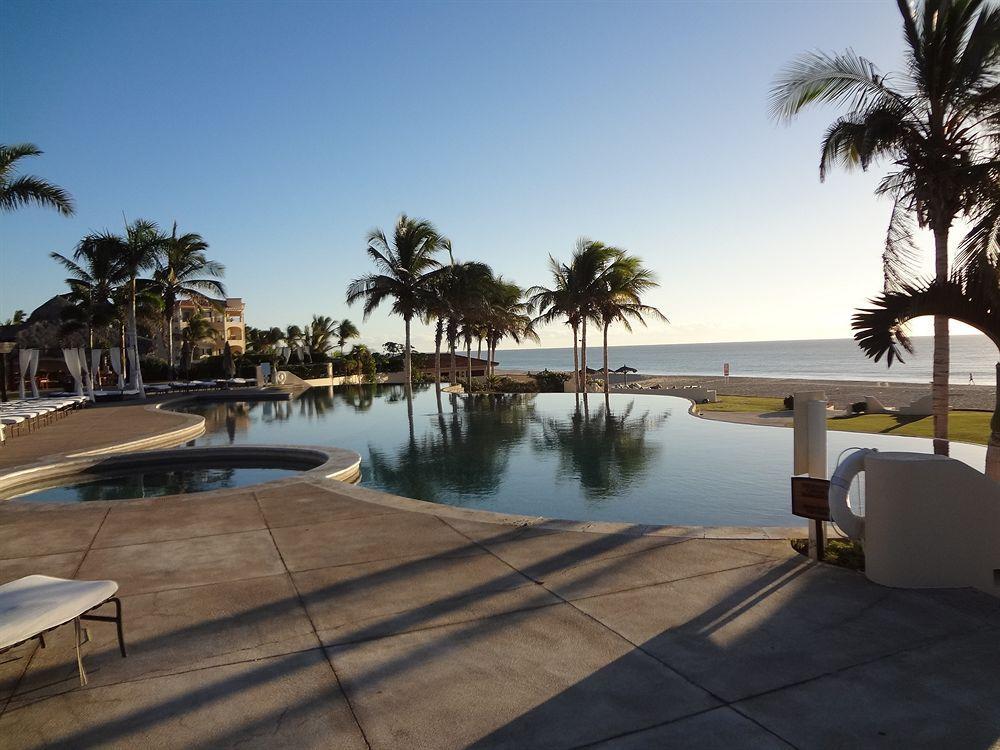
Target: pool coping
(335, 464)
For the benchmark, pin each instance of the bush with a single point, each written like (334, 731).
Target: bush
(550, 382)
(154, 368)
(859, 407)
(507, 385)
(789, 402)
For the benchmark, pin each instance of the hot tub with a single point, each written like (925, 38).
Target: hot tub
(150, 474)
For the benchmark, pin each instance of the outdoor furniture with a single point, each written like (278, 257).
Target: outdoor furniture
(34, 605)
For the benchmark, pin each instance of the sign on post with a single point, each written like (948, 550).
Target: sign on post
(811, 498)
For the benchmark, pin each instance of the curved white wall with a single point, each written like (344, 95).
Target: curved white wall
(931, 521)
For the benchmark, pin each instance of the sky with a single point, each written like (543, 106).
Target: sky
(283, 132)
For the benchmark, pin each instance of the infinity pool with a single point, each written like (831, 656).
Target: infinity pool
(635, 458)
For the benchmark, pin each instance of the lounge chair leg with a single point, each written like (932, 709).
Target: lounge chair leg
(79, 656)
(118, 622)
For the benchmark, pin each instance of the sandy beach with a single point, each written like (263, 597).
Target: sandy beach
(841, 393)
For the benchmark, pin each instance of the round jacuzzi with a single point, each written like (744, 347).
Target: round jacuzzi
(182, 471)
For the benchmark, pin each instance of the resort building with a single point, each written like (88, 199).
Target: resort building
(425, 364)
(226, 319)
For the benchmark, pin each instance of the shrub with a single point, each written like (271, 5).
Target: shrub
(550, 382)
(154, 368)
(789, 402)
(859, 407)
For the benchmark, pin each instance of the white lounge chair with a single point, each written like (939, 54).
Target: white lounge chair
(33, 605)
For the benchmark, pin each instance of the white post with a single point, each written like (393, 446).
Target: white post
(809, 425)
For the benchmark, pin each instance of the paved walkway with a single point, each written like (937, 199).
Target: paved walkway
(90, 428)
(301, 615)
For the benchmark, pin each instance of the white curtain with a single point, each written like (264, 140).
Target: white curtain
(115, 352)
(72, 357)
(32, 370)
(286, 354)
(23, 359)
(88, 378)
(95, 366)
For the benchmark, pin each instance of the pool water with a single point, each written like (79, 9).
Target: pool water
(633, 458)
(153, 483)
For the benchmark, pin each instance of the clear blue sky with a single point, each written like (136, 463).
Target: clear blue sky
(283, 131)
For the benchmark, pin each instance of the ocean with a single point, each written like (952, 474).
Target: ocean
(825, 359)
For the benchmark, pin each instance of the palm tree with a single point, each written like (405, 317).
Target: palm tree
(199, 329)
(468, 286)
(345, 330)
(574, 295)
(95, 274)
(621, 300)
(407, 268)
(507, 316)
(319, 334)
(183, 271)
(937, 124)
(16, 192)
(264, 341)
(17, 318)
(970, 295)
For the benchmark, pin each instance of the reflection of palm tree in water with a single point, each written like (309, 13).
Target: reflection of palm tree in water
(464, 456)
(604, 450)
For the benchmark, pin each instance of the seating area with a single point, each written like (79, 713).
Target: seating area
(31, 413)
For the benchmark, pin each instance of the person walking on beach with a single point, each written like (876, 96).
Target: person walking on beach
(972, 380)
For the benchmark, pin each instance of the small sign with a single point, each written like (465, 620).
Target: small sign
(811, 498)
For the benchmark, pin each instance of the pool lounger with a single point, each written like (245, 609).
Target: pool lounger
(34, 605)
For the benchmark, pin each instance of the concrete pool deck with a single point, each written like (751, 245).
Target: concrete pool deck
(316, 614)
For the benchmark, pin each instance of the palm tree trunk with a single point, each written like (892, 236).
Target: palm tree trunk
(406, 354)
(606, 387)
(576, 363)
(942, 348)
(170, 345)
(451, 370)
(438, 334)
(583, 353)
(468, 360)
(134, 333)
(993, 449)
(479, 349)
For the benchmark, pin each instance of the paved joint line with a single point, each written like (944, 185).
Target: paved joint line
(312, 624)
(634, 645)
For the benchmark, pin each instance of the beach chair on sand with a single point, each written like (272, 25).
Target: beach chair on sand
(33, 605)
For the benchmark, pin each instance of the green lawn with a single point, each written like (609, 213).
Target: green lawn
(754, 404)
(965, 426)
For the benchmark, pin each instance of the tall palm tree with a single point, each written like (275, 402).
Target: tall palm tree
(16, 192)
(555, 303)
(17, 318)
(590, 267)
(469, 285)
(507, 316)
(345, 330)
(95, 272)
(620, 300)
(406, 269)
(183, 271)
(937, 123)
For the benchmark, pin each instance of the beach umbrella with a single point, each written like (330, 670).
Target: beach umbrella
(186, 355)
(625, 370)
(228, 366)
